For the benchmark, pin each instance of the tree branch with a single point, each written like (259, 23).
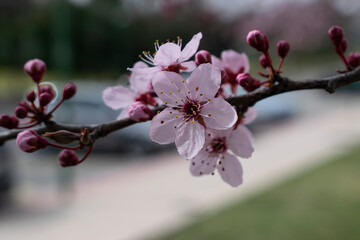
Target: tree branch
(329, 84)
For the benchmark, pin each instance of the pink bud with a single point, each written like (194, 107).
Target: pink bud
(340, 49)
(263, 61)
(68, 158)
(47, 88)
(258, 40)
(248, 82)
(8, 121)
(202, 56)
(29, 141)
(21, 112)
(69, 91)
(336, 34)
(45, 99)
(35, 68)
(354, 59)
(31, 96)
(282, 48)
(139, 112)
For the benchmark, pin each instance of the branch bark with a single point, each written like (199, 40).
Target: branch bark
(329, 84)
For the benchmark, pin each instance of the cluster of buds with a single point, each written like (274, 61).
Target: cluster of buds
(260, 42)
(336, 35)
(35, 108)
(30, 141)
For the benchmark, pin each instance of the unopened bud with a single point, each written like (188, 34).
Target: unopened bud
(31, 96)
(29, 141)
(340, 49)
(202, 56)
(68, 158)
(8, 121)
(45, 99)
(263, 61)
(69, 91)
(354, 59)
(21, 112)
(35, 68)
(282, 48)
(258, 40)
(336, 34)
(139, 111)
(62, 136)
(248, 82)
(48, 88)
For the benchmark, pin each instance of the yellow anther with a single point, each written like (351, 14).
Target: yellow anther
(158, 112)
(172, 81)
(183, 80)
(192, 122)
(161, 92)
(178, 90)
(194, 112)
(184, 119)
(209, 114)
(174, 126)
(170, 112)
(166, 102)
(188, 92)
(170, 93)
(176, 117)
(209, 99)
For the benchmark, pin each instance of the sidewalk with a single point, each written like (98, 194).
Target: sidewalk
(147, 198)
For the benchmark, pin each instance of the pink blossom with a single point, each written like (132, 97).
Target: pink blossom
(121, 97)
(232, 63)
(215, 155)
(170, 57)
(191, 107)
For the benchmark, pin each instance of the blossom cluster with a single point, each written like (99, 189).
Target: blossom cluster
(206, 129)
(191, 112)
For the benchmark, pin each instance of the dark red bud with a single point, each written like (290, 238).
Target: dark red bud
(202, 56)
(354, 59)
(35, 68)
(282, 48)
(45, 99)
(8, 121)
(248, 82)
(69, 91)
(336, 34)
(47, 88)
(68, 158)
(21, 112)
(263, 61)
(258, 40)
(31, 96)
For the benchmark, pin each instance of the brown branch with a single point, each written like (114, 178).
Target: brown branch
(329, 84)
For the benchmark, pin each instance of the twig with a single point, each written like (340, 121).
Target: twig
(329, 84)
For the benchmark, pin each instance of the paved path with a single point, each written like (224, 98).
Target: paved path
(146, 198)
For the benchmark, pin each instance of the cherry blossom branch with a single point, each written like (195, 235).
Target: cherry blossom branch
(329, 84)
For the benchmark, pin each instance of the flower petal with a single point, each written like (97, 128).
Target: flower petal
(204, 82)
(170, 87)
(118, 97)
(167, 54)
(124, 114)
(190, 48)
(230, 170)
(249, 116)
(203, 163)
(190, 139)
(235, 61)
(216, 62)
(162, 128)
(240, 142)
(149, 70)
(190, 65)
(139, 82)
(218, 114)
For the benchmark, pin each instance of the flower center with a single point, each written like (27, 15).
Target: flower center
(218, 145)
(191, 108)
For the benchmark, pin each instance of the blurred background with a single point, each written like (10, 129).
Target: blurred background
(300, 183)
